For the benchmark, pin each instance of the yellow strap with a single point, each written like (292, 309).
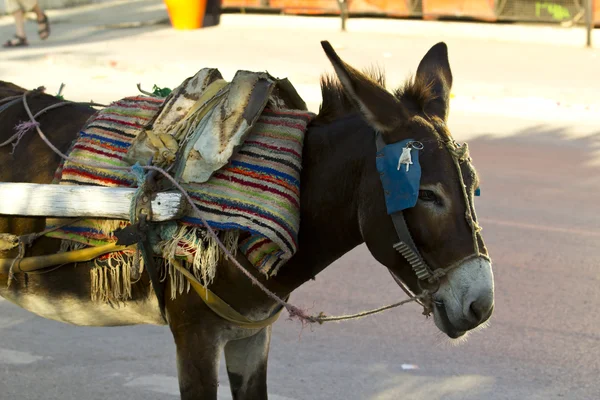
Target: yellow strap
(155, 140)
(208, 94)
(29, 264)
(208, 99)
(214, 302)
(220, 307)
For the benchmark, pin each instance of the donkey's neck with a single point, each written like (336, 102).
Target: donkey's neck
(334, 157)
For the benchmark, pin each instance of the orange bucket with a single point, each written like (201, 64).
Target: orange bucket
(186, 14)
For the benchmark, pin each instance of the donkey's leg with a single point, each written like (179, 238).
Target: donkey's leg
(246, 361)
(198, 354)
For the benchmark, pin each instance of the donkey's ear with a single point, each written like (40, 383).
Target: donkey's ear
(434, 69)
(379, 107)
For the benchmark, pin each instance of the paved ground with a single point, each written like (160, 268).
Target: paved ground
(524, 97)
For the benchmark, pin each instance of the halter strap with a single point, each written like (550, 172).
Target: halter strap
(406, 246)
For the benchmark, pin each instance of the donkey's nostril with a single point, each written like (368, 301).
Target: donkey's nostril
(481, 309)
(475, 311)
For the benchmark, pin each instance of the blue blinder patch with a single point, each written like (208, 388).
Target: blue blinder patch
(401, 187)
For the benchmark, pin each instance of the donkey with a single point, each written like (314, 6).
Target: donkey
(342, 206)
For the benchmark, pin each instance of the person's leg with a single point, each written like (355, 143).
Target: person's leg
(20, 23)
(42, 20)
(20, 38)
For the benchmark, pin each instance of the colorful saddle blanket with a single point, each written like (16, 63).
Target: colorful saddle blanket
(256, 195)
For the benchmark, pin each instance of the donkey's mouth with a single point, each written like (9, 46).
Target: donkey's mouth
(443, 322)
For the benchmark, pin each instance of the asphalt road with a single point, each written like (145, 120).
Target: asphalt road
(530, 115)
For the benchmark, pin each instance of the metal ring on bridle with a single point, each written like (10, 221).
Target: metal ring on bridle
(416, 145)
(436, 280)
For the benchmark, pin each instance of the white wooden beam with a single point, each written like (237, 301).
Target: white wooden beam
(40, 200)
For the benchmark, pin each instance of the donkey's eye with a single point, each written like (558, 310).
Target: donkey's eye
(428, 195)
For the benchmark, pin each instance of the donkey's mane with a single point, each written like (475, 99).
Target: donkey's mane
(336, 103)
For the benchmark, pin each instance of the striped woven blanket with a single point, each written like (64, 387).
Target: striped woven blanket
(256, 195)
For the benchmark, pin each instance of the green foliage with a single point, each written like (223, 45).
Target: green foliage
(161, 92)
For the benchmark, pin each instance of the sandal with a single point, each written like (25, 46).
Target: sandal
(45, 31)
(19, 41)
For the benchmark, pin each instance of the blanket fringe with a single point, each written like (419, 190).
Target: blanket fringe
(111, 277)
(199, 253)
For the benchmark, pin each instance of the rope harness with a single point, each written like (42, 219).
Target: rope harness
(141, 210)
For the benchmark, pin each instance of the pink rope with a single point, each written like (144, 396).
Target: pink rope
(21, 129)
(24, 127)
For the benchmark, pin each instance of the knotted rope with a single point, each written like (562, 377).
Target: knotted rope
(461, 154)
(26, 126)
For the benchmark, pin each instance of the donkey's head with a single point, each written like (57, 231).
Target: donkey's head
(440, 216)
